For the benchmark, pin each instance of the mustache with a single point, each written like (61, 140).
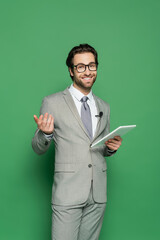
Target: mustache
(93, 75)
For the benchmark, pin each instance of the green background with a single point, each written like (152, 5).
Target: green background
(36, 37)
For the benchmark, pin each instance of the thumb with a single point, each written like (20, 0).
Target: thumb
(35, 118)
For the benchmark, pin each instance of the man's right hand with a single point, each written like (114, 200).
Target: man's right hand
(46, 126)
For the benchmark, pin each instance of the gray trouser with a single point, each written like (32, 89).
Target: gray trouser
(78, 222)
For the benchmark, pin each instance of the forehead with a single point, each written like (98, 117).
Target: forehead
(83, 58)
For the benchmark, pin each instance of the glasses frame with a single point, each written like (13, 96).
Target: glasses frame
(86, 65)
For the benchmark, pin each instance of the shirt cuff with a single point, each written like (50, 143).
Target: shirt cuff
(111, 151)
(48, 136)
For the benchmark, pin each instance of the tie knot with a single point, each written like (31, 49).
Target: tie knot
(84, 99)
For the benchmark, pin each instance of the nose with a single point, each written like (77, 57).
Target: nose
(87, 71)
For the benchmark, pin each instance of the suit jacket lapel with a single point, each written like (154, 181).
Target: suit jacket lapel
(70, 102)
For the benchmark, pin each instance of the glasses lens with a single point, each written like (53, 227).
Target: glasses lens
(80, 67)
(93, 67)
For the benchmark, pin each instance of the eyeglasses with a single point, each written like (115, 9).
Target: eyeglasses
(82, 67)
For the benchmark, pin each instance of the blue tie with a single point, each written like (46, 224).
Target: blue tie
(86, 116)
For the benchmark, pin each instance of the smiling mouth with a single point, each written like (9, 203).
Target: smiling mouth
(87, 78)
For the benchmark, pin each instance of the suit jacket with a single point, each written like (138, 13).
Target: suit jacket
(76, 163)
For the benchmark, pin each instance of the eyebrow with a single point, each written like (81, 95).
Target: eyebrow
(84, 63)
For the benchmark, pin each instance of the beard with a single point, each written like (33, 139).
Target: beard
(83, 83)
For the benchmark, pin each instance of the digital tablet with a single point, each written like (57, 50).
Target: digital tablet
(120, 131)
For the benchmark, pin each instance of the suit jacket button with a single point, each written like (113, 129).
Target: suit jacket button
(89, 165)
(46, 143)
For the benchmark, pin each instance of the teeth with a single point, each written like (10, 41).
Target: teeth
(87, 78)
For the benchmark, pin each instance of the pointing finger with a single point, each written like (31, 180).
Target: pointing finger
(45, 117)
(41, 117)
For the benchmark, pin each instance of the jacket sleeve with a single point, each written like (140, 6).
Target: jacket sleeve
(40, 143)
(107, 151)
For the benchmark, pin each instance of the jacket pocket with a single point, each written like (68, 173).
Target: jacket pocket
(64, 167)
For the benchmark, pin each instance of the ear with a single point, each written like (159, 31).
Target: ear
(70, 70)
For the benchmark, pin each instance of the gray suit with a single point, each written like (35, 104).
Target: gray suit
(80, 181)
(76, 163)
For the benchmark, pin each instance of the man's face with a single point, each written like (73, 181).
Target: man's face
(85, 80)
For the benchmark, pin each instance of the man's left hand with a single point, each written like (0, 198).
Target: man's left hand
(114, 143)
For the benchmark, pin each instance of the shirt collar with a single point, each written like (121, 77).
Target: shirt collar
(78, 95)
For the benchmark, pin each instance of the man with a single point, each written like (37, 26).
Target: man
(74, 119)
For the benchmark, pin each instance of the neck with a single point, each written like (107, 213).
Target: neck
(85, 91)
